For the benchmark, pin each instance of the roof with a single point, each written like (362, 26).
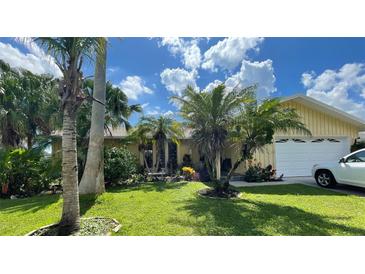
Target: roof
(121, 132)
(116, 133)
(325, 108)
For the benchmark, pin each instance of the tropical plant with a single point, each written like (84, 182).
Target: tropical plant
(357, 145)
(188, 173)
(68, 53)
(117, 109)
(120, 164)
(28, 105)
(209, 115)
(160, 130)
(26, 172)
(256, 123)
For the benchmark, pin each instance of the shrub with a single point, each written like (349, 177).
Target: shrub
(119, 164)
(188, 173)
(256, 173)
(187, 162)
(357, 146)
(135, 179)
(26, 172)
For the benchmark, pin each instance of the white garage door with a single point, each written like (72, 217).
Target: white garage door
(296, 157)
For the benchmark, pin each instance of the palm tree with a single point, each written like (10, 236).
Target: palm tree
(117, 108)
(209, 115)
(68, 53)
(159, 130)
(28, 105)
(256, 124)
(39, 104)
(93, 177)
(117, 113)
(11, 117)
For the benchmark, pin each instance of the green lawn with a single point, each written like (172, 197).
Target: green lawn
(175, 209)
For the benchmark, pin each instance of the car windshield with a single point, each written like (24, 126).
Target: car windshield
(357, 157)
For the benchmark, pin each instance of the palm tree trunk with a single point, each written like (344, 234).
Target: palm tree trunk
(218, 164)
(29, 141)
(158, 155)
(230, 173)
(70, 220)
(92, 181)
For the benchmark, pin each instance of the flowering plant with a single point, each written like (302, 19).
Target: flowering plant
(188, 172)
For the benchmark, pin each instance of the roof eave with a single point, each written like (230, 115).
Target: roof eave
(335, 111)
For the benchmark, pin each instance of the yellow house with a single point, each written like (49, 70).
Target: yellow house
(292, 154)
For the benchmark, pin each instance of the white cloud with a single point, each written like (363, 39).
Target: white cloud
(251, 73)
(176, 80)
(307, 78)
(212, 85)
(188, 49)
(153, 112)
(342, 89)
(35, 61)
(112, 70)
(134, 86)
(156, 111)
(145, 105)
(229, 53)
(168, 113)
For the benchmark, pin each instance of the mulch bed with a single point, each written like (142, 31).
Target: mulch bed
(212, 193)
(95, 226)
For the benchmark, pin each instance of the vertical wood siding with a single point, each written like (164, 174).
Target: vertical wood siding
(319, 123)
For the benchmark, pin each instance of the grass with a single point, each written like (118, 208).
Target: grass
(175, 209)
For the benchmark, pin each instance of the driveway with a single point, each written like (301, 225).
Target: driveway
(350, 190)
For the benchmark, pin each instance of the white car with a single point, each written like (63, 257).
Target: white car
(350, 170)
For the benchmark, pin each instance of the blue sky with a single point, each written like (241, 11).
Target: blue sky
(150, 70)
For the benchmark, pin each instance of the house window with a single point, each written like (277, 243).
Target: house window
(333, 140)
(317, 140)
(298, 140)
(282, 141)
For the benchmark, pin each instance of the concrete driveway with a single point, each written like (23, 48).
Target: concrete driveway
(350, 190)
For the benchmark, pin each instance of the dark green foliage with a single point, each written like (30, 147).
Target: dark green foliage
(29, 106)
(209, 115)
(27, 172)
(119, 164)
(357, 146)
(254, 173)
(187, 161)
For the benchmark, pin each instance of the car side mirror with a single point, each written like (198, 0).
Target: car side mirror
(342, 160)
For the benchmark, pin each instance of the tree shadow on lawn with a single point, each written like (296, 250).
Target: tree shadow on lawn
(87, 201)
(247, 217)
(147, 187)
(28, 205)
(294, 189)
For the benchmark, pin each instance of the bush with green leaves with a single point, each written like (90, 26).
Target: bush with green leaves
(119, 164)
(357, 146)
(26, 172)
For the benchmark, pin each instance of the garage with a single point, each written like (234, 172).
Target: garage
(296, 156)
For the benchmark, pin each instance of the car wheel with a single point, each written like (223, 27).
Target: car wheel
(324, 178)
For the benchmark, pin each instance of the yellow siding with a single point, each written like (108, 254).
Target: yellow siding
(319, 123)
(187, 146)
